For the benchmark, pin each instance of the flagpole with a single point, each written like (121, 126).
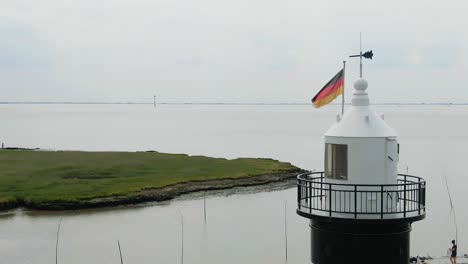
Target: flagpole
(342, 96)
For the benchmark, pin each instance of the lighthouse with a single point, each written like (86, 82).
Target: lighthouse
(360, 209)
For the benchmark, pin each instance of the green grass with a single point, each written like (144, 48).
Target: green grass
(48, 176)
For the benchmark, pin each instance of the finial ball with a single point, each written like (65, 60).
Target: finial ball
(360, 84)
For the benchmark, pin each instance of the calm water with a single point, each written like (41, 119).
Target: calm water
(243, 227)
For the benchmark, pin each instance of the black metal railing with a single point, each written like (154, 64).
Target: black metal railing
(405, 199)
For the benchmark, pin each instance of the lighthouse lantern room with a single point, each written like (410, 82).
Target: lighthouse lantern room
(360, 208)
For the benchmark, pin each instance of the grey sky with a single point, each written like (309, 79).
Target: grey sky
(229, 51)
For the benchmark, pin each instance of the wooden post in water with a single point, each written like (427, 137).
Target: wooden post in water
(452, 209)
(57, 241)
(286, 232)
(120, 252)
(182, 248)
(182, 239)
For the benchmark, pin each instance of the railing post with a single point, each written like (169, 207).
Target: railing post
(424, 196)
(355, 201)
(381, 201)
(309, 191)
(419, 196)
(404, 196)
(321, 186)
(329, 199)
(299, 193)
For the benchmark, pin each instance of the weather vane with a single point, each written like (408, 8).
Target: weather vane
(367, 55)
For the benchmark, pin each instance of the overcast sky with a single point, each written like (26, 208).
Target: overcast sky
(230, 51)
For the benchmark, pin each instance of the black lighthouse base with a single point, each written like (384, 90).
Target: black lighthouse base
(336, 241)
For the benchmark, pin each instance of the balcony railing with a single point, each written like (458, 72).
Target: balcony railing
(405, 199)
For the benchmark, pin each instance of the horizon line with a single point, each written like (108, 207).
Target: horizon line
(211, 103)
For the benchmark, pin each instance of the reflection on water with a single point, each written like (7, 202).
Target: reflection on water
(241, 227)
(7, 215)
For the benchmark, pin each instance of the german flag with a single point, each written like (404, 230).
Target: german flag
(330, 91)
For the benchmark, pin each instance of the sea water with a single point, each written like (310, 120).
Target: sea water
(243, 226)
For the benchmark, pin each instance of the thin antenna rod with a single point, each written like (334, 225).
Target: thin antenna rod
(367, 55)
(120, 251)
(286, 232)
(360, 53)
(57, 241)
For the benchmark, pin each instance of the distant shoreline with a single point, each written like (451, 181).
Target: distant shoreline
(190, 103)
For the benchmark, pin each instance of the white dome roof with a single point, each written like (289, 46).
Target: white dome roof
(361, 120)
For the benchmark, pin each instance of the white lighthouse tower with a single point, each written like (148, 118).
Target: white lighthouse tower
(360, 208)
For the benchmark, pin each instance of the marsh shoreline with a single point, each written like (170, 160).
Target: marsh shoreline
(154, 194)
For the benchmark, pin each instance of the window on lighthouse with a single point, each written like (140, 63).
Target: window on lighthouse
(336, 161)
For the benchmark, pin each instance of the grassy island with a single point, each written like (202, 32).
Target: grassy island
(59, 180)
